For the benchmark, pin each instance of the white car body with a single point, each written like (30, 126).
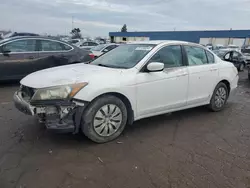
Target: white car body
(86, 45)
(149, 94)
(233, 47)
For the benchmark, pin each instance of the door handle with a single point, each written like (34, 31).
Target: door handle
(31, 57)
(213, 69)
(184, 74)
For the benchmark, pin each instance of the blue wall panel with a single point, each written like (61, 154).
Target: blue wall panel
(191, 36)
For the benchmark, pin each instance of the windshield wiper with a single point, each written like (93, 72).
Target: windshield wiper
(111, 66)
(103, 65)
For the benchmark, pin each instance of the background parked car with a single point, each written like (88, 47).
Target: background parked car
(233, 56)
(246, 52)
(20, 56)
(88, 45)
(102, 49)
(233, 47)
(218, 47)
(76, 42)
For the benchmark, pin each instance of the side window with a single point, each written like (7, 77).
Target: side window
(50, 46)
(84, 44)
(196, 55)
(171, 56)
(92, 44)
(210, 57)
(66, 47)
(236, 55)
(21, 46)
(227, 56)
(111, 47)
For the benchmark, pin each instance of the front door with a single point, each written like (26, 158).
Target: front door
(17, 58)
(160, 92)
(203, 75)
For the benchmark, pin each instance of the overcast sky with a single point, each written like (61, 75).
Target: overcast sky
(98, 17)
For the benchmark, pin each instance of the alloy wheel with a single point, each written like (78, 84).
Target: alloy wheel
(107, 120)
(220, 97)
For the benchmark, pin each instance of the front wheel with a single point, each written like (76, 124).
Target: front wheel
(104, 119)
(219, 97)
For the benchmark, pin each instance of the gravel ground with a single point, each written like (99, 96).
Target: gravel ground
(191, 148)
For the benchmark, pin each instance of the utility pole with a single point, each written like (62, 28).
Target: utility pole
(72, 22)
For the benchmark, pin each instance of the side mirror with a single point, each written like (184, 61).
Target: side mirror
(155, 67)
(105, 50)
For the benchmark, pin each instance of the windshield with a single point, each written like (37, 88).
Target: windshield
(99, 47)
(125, 56)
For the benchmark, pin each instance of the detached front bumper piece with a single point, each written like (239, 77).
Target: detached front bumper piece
(22, 105)
(57, 117)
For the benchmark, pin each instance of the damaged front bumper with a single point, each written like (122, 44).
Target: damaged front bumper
(59, 116)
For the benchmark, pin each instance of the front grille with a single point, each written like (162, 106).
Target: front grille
(27, 92)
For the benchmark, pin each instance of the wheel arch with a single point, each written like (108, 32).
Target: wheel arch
(125, 100)
(227, 83)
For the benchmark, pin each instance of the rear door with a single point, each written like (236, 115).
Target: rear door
(18, 58)
(203, 74)
(52, 53)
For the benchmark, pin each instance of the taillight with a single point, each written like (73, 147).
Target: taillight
(92, 56)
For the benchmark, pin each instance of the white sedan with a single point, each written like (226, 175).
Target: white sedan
(131, 82)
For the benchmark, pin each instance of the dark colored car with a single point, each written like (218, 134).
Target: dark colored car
(20, 56)
(233, 56)
(16, 34)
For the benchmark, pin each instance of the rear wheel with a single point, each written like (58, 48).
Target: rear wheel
(105, 119)
(219, 97)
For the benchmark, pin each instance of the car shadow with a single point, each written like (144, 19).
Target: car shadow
(144, 125)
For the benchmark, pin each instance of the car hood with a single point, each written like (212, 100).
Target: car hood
(70, 74)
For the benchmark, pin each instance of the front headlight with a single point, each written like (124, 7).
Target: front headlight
(58, 92)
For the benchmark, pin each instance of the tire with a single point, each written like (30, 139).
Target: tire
(241, 67)
(222, 91)
(101, 121)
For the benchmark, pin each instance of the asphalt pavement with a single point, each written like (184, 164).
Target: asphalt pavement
(191, 148)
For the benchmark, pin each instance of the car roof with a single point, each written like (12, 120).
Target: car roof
(32, 37)
(157, 42)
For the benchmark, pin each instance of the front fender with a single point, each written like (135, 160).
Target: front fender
(89, 94)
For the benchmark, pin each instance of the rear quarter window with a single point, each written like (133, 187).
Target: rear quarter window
(66, 47)
(210, 57)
